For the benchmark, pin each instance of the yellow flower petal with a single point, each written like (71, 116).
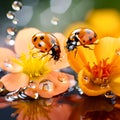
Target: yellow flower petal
(106, 48)
(80, 57)
(74, 60)
(115, 85)
(88, 87)
(102, 18)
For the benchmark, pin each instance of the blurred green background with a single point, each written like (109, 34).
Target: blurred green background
(47, 15)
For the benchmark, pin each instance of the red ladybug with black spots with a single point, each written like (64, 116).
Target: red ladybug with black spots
(81, 37)
(47, 43)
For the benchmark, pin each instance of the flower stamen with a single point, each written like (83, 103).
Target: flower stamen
(100, 72)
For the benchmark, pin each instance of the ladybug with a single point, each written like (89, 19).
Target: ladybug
(47, 43)
(81, 37)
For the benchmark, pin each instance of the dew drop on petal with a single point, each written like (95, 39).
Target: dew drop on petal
(86, 79)
(46, 85)
(1, 87)
(79, 90)
(118, 52)
(11, 31)
(10, 15)
(12, 96)
(104, 85)
(55, 20)
(17, 5)
(15, 21)
(109, 94)
(7, 64)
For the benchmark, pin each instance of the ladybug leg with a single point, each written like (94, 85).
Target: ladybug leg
(85, 46)
(44, 55)
(75, 51)
(34, 55)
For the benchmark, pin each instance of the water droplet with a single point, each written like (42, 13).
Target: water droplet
(32, 84)
(55, 20)
(79, 90)
(11, 31)
(109, 94)
(1, 87)
(46, 85)
(17, 5)
(104, 85)
(30, 92)
(10, 40)
(118, 51)
(86, 79)
(10, 15)
(8, 64)
(15, 21)
(12, 96)
(48, 102)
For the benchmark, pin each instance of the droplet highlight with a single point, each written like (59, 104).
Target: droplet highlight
(15, 21)
(109, 94)
(10, 15)
(10, 40)
(17, 5)
(46, 85)
(55, 20)
(11, 31)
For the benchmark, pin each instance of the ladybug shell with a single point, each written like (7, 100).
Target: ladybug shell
(44, 41)
(87, 36)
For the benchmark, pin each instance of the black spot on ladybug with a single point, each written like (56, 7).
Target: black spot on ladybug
(39, 45)
(83, 40)
(45, 48)
(35, 39)
(90, 38)
(41, 37)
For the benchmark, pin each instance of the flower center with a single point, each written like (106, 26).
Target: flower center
(34, 66)
(100, 72)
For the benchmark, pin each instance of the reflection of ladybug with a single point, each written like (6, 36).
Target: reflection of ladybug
(81, 37)
(47, 43)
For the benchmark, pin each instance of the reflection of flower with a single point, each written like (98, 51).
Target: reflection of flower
(93, 108)
(98, 69)
(106, 22)
(31, 79)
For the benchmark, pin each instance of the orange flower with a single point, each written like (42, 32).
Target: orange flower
(32, 78)
(99, 20)
(98, 69)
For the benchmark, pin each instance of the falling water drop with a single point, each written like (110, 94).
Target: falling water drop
(17, 5)
(10, 40)
(55, 20)
(10, 15)
(15, 21)
(11, 31)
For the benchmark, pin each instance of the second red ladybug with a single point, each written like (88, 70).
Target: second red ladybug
(81, 37)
